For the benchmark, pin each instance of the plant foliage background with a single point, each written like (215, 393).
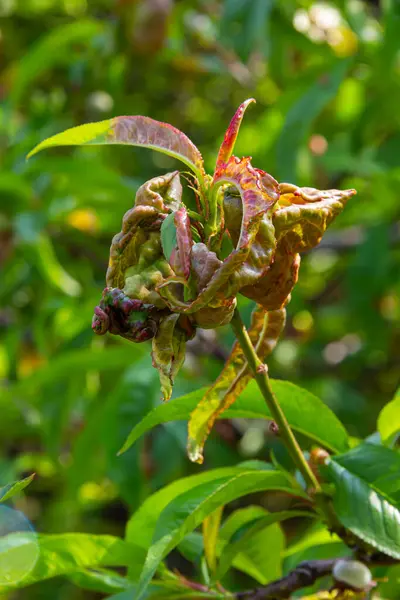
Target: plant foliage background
(326, 77)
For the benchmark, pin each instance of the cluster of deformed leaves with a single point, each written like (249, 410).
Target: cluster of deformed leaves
(166, 276)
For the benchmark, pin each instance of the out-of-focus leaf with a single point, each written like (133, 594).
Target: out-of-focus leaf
(365, 501)
(304, 411)
(51, 268)
(189, 509)
(227, 146)
(9, 490)
(132, 131)
(67, 553)
(52, 48)
(300, 117)
(389, 419)
(264, 331)
(111, 357)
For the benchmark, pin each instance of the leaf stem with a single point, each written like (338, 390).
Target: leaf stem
(260, 373)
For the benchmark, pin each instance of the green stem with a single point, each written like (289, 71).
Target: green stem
(260, 373)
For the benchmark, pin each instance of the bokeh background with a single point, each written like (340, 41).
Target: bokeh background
(326, 77)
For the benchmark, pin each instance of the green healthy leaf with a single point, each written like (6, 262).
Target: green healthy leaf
(132, 131)
(168, 235)
(9, 490)
(256, 535)
(304, 411)
(300, 117)
(389, 419)
(366, 501)
(377, 465)
(189, 509)
(68, 553)
(141, 526)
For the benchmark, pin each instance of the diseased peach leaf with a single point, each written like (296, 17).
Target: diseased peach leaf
(132, 131)
(264, 332)
(226, 149)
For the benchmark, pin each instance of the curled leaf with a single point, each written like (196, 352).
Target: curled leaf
(133, 131)
(264, 332)
(259, 193)
(226, 149)
(137, 263)
(168, 352)
(300, 220)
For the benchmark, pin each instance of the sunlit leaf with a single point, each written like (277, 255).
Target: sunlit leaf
(366, 497)
(189, 509)
(304, 411)
(132, 131)
(68, 553)
(226, 149)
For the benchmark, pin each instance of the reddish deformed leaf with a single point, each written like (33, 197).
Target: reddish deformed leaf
(259, 193)
(168, 352)
(258, 190)
(133, 131)
(226, 149)
(300, 220)
(264, 332)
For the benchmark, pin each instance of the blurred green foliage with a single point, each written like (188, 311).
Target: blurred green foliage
(326, 78)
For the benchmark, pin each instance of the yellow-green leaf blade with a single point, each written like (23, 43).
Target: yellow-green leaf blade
(131, 131)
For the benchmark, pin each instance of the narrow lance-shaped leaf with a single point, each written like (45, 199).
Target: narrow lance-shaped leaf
(226, 149)
(210, 534)
(67, 553)
(246, 542)
(306, 413)
(9, 490)
(132, 131)
(189, 509)
(264, 332)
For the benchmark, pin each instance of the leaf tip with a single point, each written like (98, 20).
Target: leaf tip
(194, 451)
